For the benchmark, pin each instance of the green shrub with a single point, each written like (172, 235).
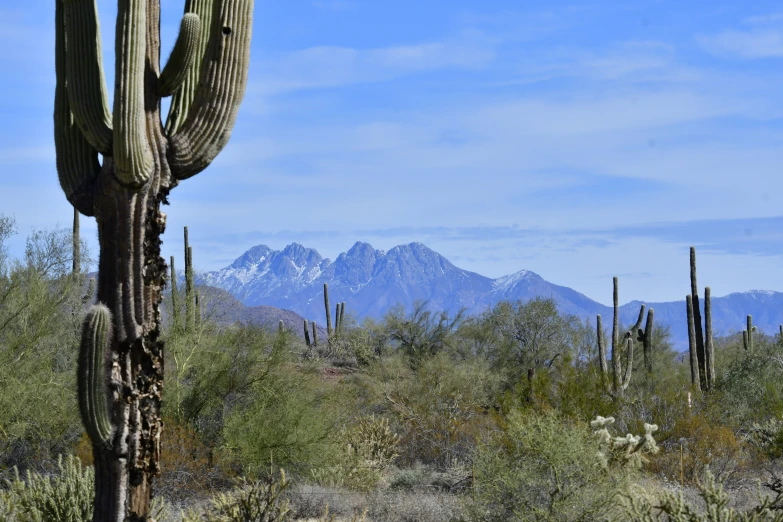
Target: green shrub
(542, 467)
(369, 447)
(258, 501)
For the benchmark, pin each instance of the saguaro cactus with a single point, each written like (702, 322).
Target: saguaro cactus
(709, 347)
(142, 162)
(175, 303)
(77, 245)
(306, 333)
(328, 313)
(695, 367)
(747, 335)
(697, 329)
(645, 337)
(620, 381)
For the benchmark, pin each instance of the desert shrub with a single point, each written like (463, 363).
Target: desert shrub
(422, 333)
(189, 468)
(369, 447)
(749, 385)
(704, 443)
(40, 315)
(65, 497)
(440, 408)
(544, 467)
(290, 417)
(250, 501)
(767, 438)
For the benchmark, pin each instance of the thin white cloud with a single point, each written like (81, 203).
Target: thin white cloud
(751, 44)
(329, 67)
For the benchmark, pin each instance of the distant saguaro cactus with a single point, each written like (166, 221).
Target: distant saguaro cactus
(142, 161)
(619, 382)
(306, 333)
(328, 313)
(77, 245)
(645, 337)
(697, 328)
(747, 334)
(709, 346)
(695, 369)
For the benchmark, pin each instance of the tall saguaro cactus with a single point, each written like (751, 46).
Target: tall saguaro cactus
(697, 329)
(328, 313)
(141, 162)
(620, 381)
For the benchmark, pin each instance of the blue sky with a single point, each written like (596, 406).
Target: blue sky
(579, 140)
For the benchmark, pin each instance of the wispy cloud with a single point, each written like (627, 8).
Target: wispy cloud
(750, 44)
(329, 67)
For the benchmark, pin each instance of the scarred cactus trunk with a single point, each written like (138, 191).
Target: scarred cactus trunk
(142, 162)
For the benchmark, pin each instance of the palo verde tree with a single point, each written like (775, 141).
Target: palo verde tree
(121, 356)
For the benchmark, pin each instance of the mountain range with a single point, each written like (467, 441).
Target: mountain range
(373, 281)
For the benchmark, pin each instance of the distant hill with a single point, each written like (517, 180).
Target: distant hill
(372, 281)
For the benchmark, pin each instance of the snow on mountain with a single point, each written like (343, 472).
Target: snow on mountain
(372, 281)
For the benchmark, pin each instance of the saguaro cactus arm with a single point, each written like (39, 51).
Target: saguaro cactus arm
(77, 160)
(132, 154)
(182, 57)
(93, 378)
(84, 70)
(182, 99)
(208, 125)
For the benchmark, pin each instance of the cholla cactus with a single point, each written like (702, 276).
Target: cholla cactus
(67, 496)
(259, 501)
(142, 161)
(626, 451)
(373, 441)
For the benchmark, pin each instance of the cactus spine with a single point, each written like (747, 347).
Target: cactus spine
(142, 162)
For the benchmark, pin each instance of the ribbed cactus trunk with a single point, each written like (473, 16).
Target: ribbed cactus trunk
(121, 355)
